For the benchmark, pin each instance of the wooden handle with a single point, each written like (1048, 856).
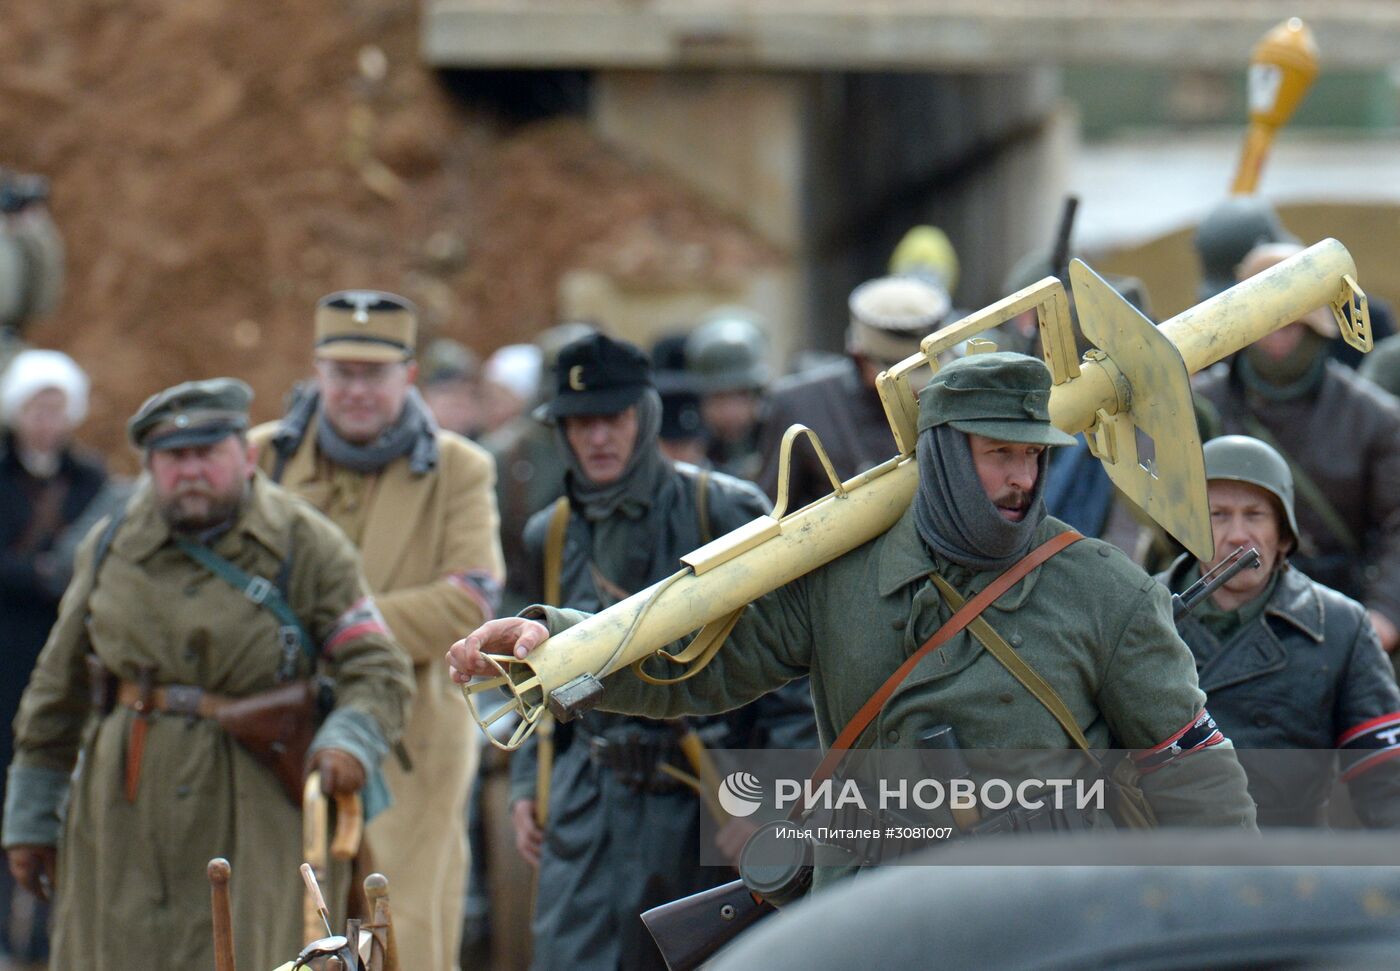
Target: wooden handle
(315, 818)
(386, 947)
(223, 915)
(315, 905)
(349, 826)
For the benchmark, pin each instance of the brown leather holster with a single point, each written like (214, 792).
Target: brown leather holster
(276, 727)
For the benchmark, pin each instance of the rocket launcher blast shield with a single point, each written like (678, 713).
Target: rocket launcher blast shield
(1130, 395)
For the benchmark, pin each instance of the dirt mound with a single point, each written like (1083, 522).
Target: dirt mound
(218, 165)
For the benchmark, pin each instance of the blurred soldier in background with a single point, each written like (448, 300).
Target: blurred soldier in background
(889, 317)
(728, 357)
(451, 386)
(682, 436)
(1285, 390)
(510, 382)
(418, 503)
(1233, 228)
(622, 834)
(1287, 662)
(45, 485)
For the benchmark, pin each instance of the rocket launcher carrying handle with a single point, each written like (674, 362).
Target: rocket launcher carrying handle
(1130, 395)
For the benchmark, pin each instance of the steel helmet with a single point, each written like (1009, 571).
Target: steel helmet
(728, 352)
(1244, 459)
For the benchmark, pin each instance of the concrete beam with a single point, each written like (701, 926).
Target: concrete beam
(868, 35)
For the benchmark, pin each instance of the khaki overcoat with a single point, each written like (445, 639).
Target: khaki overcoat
(132, 886)
(432, 555)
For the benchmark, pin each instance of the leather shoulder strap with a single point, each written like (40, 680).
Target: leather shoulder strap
(960, 619)
(1031, 680)
(702, 505)
(554, 551)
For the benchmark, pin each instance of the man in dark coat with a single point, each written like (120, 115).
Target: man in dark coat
(45, 485)
(889, 317)
(1287, 662)
(1285, 390)
(622, 835)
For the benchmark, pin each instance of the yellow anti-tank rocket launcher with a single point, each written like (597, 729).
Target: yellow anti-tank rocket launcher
(1130, 395)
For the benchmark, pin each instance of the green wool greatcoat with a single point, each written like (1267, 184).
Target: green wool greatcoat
(1089, 621)
(132, 889)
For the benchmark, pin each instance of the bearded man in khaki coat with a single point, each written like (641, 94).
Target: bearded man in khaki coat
(418, 502)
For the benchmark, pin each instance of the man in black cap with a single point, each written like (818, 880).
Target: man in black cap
(212, 587)
(622, 835)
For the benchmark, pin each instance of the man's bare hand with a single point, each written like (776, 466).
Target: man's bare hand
(341, 773)
(528, 835)
(514, 636)
(35, 869)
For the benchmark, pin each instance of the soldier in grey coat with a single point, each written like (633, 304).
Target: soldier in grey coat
(622, 835)
(1095, 627)
(1288, 663)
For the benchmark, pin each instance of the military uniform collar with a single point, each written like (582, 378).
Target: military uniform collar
(904, 559)
(1296, 601)
(146, 531)
(1295, 598)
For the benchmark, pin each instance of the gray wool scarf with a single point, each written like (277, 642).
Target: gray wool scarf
(954, 516)
(414, 434)
(633, 491)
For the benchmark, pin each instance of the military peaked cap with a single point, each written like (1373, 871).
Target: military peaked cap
(193, 413)
(365, 325)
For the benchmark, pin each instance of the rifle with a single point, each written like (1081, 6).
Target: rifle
(689, 931)
(1187, 601)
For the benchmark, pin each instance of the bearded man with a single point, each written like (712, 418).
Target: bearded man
(182, 606)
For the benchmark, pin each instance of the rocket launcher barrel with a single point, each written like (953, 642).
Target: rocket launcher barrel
(1130, 395)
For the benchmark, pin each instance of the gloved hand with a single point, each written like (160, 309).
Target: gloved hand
(341, 772)
(35, 868)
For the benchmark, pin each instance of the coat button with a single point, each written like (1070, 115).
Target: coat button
(1104, 551)
(891, 735)
(1005, 698)
(1016, 639)
(899, 623)
(1262, 720)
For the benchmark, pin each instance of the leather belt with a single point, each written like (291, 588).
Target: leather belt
(174, 699)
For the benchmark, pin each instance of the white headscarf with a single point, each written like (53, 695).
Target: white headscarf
(33, 371)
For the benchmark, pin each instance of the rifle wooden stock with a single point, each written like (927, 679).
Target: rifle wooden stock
(690, 931)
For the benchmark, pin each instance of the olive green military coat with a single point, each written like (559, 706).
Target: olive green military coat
(132, 888)
(1089, 621)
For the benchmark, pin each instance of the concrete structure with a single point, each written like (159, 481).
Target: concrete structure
(831, 127)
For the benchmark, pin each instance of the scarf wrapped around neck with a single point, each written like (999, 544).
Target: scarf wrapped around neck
(953, 514)
(413, 434)
(632, 492)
